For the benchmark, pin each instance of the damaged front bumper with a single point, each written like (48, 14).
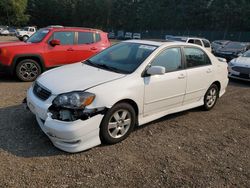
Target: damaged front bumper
(70, 136)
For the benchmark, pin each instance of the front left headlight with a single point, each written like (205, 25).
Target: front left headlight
(74, 100)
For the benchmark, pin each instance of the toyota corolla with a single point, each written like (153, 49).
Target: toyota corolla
(102, 99)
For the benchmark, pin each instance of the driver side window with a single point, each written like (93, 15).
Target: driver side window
(170, 59)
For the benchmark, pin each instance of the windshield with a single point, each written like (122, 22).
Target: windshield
(235, 45)
(38, 36)
(25, 29)
(123, 58)
(246, 54)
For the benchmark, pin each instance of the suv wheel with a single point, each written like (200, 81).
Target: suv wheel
(118, 123)
(28, 70)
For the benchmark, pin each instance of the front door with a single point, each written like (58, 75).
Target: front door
(163, 92)
(61, 54)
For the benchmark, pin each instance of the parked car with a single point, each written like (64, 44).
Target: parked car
(120, 34)
(217, 44)
(5, 32)
(128, 35)
(137, 36)
(232, 49)
(239, 68)
(25, 33)
(50, 47)
(111, 35)
(131, 83)
(167, 37)
(193, 40)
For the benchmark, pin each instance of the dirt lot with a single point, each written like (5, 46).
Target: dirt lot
(189, 149)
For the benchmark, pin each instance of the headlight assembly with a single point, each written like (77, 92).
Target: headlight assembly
(74, 100)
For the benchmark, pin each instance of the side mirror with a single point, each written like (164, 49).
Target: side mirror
(156, 70)
(54, 42)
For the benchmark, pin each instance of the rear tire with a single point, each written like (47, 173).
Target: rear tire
(211, 97)
(118, 123)
(28, 70)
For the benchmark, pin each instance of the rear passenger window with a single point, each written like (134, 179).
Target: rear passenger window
(198, 42)
(170, 59)
(196, 57)
(85, 38)
(206, 43)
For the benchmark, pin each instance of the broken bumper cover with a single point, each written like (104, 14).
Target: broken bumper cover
(72, 136)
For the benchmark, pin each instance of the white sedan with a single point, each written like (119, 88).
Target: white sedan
(239, 68)
(101, 100)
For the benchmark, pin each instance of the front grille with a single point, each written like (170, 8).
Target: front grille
(41, 92)
(243, 70)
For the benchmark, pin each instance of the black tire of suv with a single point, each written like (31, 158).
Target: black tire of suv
(33, 70)
(25, 37)
(104, 128)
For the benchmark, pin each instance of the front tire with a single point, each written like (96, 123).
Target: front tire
(28, 70)
(25, 38)
(118, 123)
(211, 97)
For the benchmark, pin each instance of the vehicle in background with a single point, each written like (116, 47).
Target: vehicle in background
(111, 35)
(130, 84)
(137, 36)
(231, 50)
(193, 40)
(168, 36)
(5, 32)
(25, 33)
(120, 34)
(217, 44)
(50, 47)
(8, 32)
(239, 68)
(128, 35)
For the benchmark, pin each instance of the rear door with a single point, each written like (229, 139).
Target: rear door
(87, 45)
(61, 54)
(163, 92)
(200, 74)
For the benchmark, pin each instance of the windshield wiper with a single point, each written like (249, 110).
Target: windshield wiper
(102, 66)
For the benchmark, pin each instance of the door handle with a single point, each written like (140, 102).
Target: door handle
(209, 70)
(181, 76)
(70, 49)
(93, 48)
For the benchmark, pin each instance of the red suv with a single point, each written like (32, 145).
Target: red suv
(50, 47)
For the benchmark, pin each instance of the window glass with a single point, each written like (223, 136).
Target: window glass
(198, 42)
(85, 38)
(206, 43)
(97, 37)
(196, 57)
(66, 38)
(191, 41)
(170, 59)
(38, 36)
(124, 57)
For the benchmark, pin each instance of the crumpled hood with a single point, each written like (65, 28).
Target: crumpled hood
(242, 61)
(75, 77)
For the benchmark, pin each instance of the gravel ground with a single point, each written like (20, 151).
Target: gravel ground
(189, 149)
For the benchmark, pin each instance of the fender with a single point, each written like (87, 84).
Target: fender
(14, 62)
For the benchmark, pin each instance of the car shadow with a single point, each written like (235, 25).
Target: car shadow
(7, 78)
(239, 83)
(20, 134)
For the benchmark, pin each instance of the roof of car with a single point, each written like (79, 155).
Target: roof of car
(156, 43)
(58, 27)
